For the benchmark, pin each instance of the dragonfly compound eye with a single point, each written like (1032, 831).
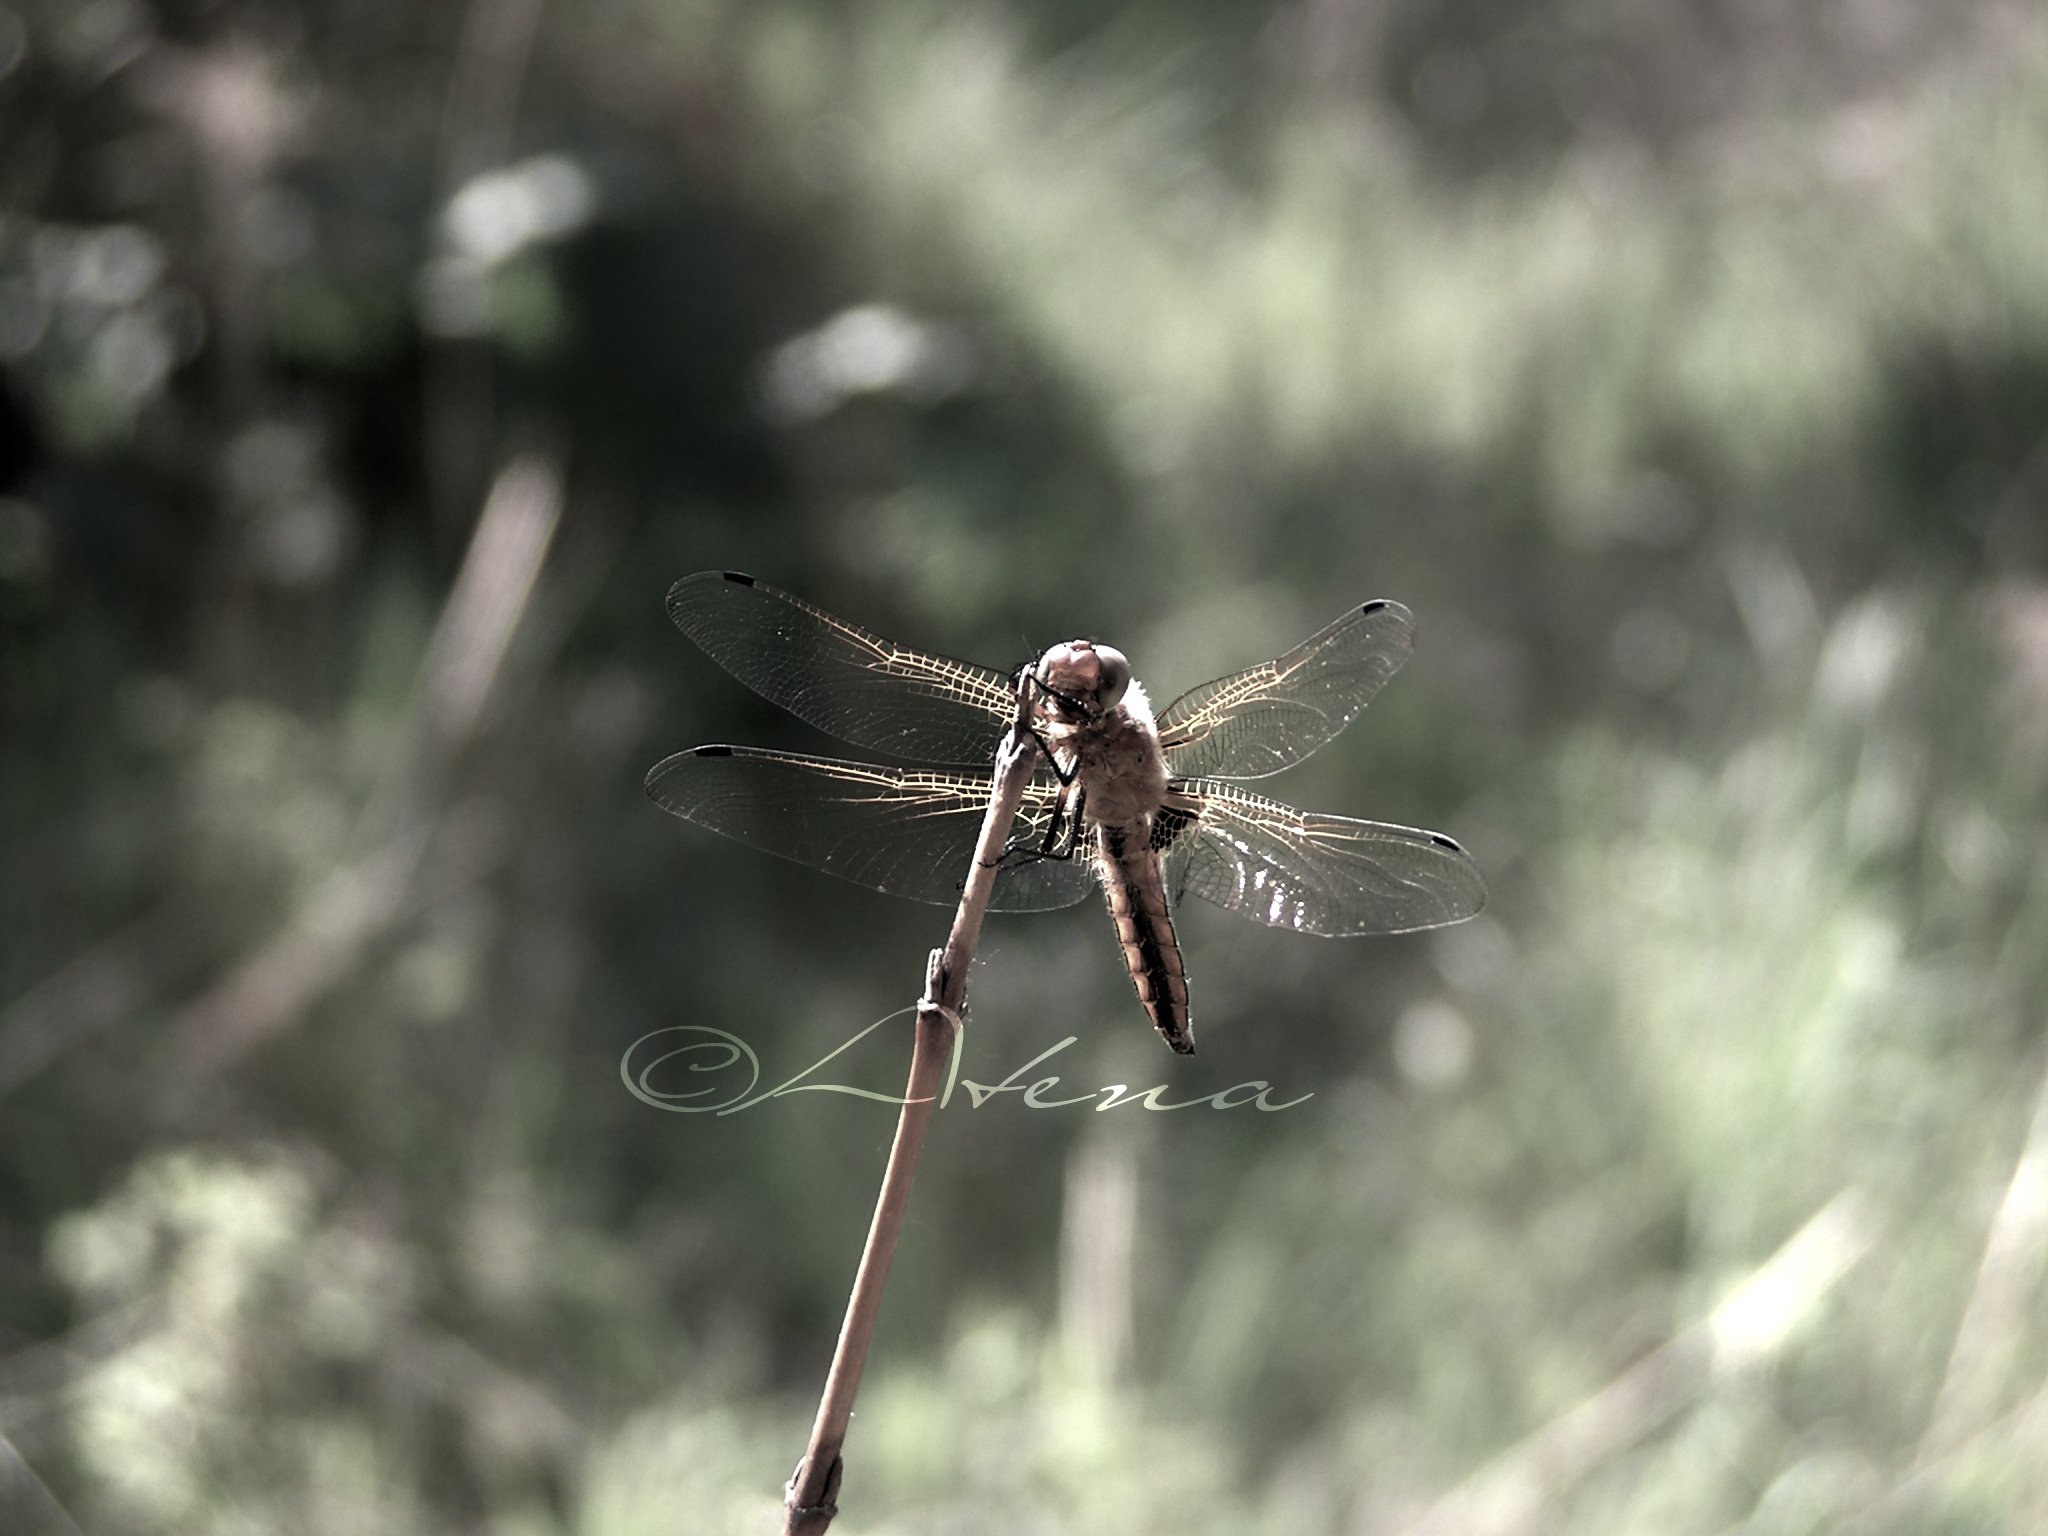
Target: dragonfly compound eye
(1116, 676)
(1087, 678)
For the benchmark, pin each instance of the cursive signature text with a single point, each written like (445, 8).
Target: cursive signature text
(700, 1050)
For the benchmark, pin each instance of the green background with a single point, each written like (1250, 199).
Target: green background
(1684, 367)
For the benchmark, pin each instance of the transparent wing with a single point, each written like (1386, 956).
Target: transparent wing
(1271, 716)
(1317, 874)
(909, 832)
(840, 677)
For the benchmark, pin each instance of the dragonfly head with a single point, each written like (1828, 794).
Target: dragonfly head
(1085, 678)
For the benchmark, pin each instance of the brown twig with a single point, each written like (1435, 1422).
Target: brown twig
(812, 1495)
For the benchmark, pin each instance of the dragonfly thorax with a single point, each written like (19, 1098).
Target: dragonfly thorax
(1113, 755)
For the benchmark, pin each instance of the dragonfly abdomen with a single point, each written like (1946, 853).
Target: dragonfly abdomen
(1134, 880)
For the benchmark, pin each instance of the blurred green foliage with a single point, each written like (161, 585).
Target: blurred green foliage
(1685, 368)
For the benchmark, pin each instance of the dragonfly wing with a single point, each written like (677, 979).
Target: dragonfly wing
(1173, 838)
(840, 677)
(1317, 874)
(909, 832)
(1271, 716)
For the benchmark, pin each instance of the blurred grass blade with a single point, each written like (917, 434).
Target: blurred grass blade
(1746, 1329)
(2001, 1301)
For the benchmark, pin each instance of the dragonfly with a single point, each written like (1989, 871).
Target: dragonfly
(1144, 807)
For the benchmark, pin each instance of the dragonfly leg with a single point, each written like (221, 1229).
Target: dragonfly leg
(1029, 679)
(1062, 838)
(1063, 832)
(1067, 775)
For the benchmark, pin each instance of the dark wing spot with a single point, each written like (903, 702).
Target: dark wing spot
(1374, 606)
(725, 752)
(1444, 842)
(741, 577)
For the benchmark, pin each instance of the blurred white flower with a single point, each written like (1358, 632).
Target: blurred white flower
(868, 350)
(1433, 1045)
(491, 219)
(501, 213)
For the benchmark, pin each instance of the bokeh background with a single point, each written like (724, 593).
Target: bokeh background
(368, 369)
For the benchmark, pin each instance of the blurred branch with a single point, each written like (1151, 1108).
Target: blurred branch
(464, 663)
(1097, 1237)
(811, 1498)
(26, 1503)
(463, 670)
(1749, 1327)
(521, 1406)
(243, 118)
(2023, 1432)
(476, 134)
(466, 657)
(2000, 1304)
(483, 94)
(273, 986)
(93, 990)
